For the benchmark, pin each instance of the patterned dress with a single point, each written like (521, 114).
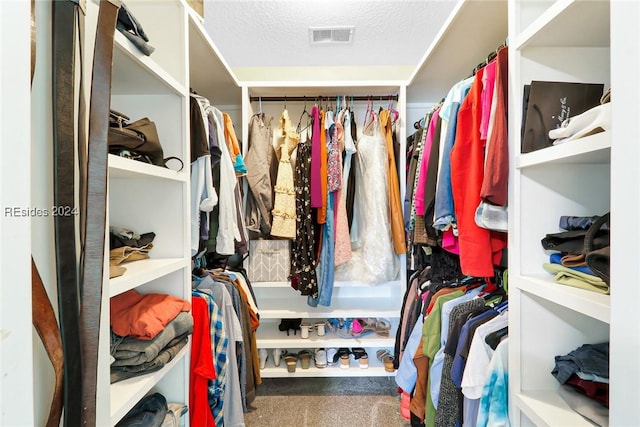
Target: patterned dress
(284, 206)
(303, 265)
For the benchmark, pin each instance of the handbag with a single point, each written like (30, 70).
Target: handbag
(550, 104)
(138, 140)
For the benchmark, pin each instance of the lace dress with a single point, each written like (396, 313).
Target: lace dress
(373, 258)
(284, 206)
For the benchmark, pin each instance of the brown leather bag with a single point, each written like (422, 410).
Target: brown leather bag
(139, 138)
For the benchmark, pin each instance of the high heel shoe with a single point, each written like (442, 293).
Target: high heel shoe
(277, 353)
(288, 324)
(263, 355)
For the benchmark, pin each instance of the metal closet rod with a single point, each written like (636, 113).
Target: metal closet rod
(313, 98)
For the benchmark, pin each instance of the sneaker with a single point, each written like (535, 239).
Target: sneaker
(320, 358)
(331, 356)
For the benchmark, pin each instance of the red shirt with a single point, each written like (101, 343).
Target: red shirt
(480, 249)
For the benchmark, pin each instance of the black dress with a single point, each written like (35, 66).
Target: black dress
(303, 262)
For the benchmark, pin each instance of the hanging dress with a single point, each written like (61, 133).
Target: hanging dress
(343, 240)
(284, 206)
(374, 260)
(303, 269)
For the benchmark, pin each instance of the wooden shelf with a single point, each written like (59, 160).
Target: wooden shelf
(590, 149)
(588, 22)
(121, 167)
(125, 394)
(589, 303)
(143, 271)
(547, 408)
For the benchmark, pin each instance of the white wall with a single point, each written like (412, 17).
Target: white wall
(415, 112)
(16, 378)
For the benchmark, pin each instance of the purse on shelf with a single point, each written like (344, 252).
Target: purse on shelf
(550, 104)
(137, 140)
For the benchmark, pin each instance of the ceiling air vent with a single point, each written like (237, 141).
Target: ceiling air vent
(331, 35)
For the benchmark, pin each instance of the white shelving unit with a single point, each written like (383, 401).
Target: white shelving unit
(576, 41)
(277, 300)
(148, 198)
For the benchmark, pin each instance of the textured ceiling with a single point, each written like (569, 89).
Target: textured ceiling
(275, 33)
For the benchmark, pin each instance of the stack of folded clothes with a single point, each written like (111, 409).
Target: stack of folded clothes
(154, 411)
(147, 331)
(584, 378)
(568, 261)
(127, 246)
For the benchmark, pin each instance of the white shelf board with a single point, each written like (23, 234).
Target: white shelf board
(375, 369)
(143, 271)
(125, 394)
(276, 308)
(547, 408)
(569, 23)
(453, 53)
(271, 337)
(209, 74)
(590, 149)
(335, 284)
(589, 303)
(121, 167)
(137, 74)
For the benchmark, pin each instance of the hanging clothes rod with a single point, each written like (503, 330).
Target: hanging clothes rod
(313, 98)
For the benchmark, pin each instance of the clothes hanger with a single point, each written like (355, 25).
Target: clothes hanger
(394, 113)
(304, 111)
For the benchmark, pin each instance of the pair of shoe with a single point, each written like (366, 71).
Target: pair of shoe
(361, 355)
(306, 328)
(263, 355)
(320, 358)
(387, 359)
(290, 324)
(291, 359)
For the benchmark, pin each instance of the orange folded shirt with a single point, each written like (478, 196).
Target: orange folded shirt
(143, 316)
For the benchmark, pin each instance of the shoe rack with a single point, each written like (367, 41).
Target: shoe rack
(277, 300)
(273, 340)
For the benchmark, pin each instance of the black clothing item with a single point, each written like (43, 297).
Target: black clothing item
(352, 173)
(303, 262)
(198, 134)
(129, 26)
(415, 421)
(434, 236)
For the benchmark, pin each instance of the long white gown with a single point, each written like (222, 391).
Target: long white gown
(374, 259)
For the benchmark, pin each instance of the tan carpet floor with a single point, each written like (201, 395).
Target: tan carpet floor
(326, 402)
